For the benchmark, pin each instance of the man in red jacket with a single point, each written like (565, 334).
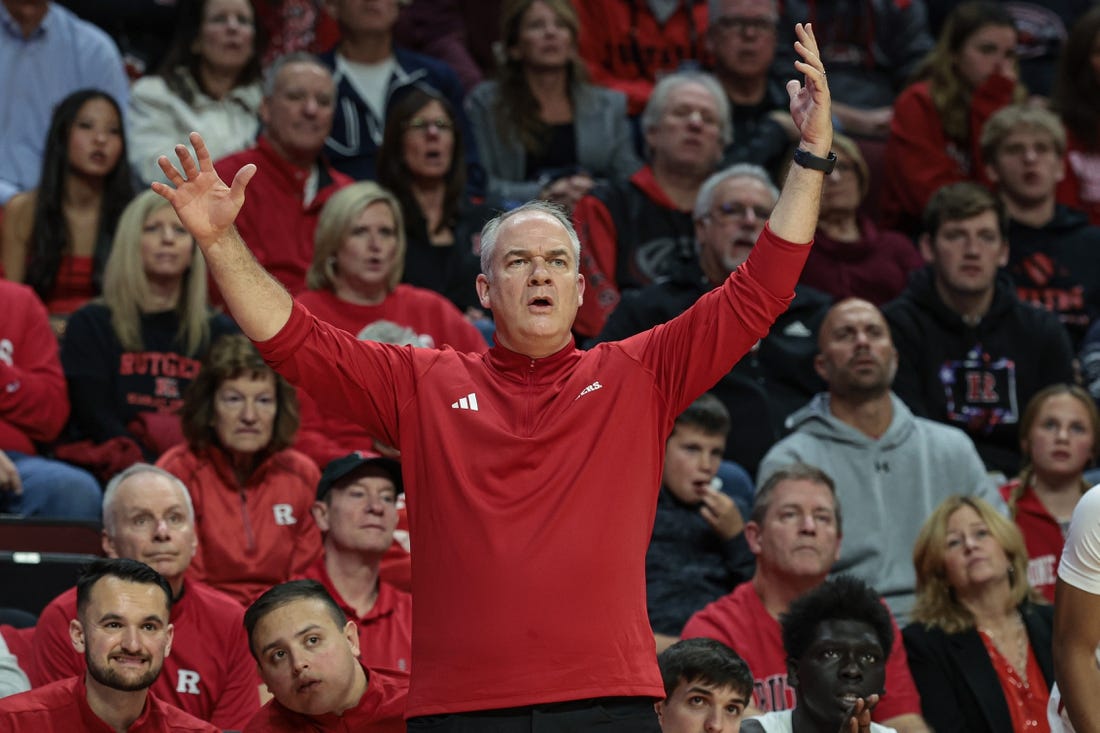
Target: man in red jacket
(123, 631)
(307, 653)
(530, 602)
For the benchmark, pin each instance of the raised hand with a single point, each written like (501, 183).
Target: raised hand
(204, 204)
(810, 100)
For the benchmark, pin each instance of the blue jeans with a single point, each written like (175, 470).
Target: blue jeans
(53, 489)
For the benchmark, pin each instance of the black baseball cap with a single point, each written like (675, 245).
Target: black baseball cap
(339, 468)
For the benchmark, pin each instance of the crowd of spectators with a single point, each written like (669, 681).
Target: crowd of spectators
(934, 380)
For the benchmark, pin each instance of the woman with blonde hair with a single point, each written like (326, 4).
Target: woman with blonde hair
(979, 646)
(1059, 440)
(129, 355)
(354, 281)
(935, 134)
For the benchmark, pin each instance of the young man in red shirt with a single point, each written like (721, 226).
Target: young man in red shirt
(123, 631)
(307, 653)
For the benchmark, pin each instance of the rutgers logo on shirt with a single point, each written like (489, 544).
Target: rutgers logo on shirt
(284, 514)
(187, 682)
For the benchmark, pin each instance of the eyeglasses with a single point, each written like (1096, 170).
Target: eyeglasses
(738, 24)
(733, 210)
(420, 124)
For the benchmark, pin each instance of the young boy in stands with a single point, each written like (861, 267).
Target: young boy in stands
(698, 551)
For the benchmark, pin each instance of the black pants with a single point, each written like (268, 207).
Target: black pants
(602, 714)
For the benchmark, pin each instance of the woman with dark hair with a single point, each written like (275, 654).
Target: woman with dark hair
(935, 134)
(252, 492)
(421, 162)
(979, 646)
(209, 80)
(56, 238)
(1059, 440)
(542, 131)
(1076, 99)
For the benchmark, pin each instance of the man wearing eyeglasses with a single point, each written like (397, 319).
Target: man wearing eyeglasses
(741, 38)
(729, 215)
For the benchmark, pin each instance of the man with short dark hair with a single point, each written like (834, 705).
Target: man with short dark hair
(122, 628)
(970, 353)
(356, 511)
(147, 516)
(795, 532)
(307, 653)
(707, 687)
(837, 638)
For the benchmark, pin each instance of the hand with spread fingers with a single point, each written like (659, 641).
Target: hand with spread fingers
(811, 105)
(204, 204)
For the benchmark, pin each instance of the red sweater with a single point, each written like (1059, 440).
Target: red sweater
(34, 400)
(1043, 537)
(210, 672)
(626, 48)
(385, 633)
(740, 621)
(62, 707)
(531, 486)
(381, 709)
(275, 222)
(920, 158)
(325, 436)
(254, 536)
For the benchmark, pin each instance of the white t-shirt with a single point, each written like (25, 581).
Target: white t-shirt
(371, 81)
(780, 722)
(1080, 565)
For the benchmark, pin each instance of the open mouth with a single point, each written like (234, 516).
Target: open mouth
(541, 301)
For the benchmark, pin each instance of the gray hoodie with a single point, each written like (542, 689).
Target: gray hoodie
(886, 487)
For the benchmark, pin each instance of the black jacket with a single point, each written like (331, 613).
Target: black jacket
(959, 689)
(978, 378)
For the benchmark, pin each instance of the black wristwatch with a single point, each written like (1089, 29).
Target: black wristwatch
(806, 159)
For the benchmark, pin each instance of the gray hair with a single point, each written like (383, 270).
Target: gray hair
(271, 74)
(111, 492)
(388, 332)
(655, 107)
(491, 231)
(705, 198)
(793, 472)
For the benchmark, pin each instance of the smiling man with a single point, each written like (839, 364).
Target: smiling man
(307, 653)
(147, 516)
(515, 459)
(123, 631)
(837, 638)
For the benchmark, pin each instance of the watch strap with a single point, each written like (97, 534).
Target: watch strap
(806, 159)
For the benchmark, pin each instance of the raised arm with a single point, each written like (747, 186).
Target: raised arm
(794, 217)
(207, 207)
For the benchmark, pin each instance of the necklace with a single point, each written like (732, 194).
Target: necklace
(1011, 643)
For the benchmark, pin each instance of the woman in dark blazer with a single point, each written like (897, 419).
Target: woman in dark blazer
(542, 131)
(979, 646)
